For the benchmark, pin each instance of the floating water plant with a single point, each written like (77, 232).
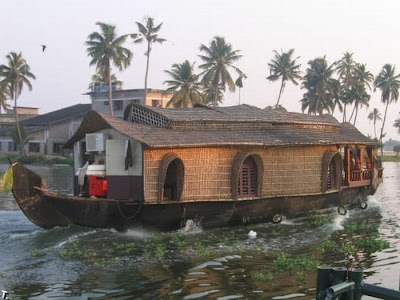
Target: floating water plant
(262, 276)
(37, 253)
(285, 262)
(316, 220)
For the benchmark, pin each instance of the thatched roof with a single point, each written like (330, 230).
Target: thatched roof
(286, 131)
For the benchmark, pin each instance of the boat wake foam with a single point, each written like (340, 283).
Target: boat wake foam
(191, 226)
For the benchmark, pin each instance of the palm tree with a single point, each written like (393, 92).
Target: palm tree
(239, 82)
(209, 95)
(13, 132)
(4, 95)
(185, 84)
(322, 89)
(100, 78)
(218, 57)
(148, 33)
(284, 67)
(362, 75)
(374, 116)
(397, 125)
(389, 84)
(359, 96)
(16, 73)
(105, 49)
(345, 68)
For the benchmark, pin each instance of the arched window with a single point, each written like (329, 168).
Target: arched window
(171, 178)
(247, 179)
(332, 166)
(247, 175)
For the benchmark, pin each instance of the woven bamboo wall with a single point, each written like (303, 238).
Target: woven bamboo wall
(287, 171)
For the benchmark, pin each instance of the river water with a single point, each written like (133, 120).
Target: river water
(223, 263)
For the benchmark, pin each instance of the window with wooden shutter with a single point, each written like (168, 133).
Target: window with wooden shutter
(247, 179)
(331, 178)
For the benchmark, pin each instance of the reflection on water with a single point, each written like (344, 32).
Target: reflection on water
(222, 263)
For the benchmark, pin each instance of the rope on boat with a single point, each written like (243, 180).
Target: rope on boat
(130, 217)
(283, 205)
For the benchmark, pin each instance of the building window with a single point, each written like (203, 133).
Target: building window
(34, 147)
(57, 147)
(331, 177)
(12, 147)
(156, 103)
(117, 105)
(247, 181)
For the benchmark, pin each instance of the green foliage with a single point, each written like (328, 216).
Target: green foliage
(356, 228)
(35, 158)
(58, 160)
(322, 90)
(217, 59)
(201, 249)
(301, 277)
(316, 220)
(160, 250)
(38, 159)
(36, 253)
(284, 262)
(371, 245)
(178, 242)
(347, 249)
(285, 68)
(328, 246)
(124, 246)
(6, 181)
(185, 85)
(106, 49)
(352, 241)
(262, 276)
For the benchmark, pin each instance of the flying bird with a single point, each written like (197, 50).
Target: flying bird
(43, 47)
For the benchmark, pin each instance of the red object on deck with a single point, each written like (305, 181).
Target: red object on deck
(97, 186)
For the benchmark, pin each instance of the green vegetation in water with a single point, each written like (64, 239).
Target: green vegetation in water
(355, 228)
(201, 250)
(371, 245)
(286, 263)
(354, 240)
(316, 220)
(262, 276)
(301, 277)
(37, 253)
(124, 247)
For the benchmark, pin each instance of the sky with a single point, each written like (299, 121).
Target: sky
(313, 28)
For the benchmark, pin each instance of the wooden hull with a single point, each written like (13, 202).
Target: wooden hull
(48, 210)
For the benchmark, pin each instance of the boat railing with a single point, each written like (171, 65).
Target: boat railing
(367, 174)
(355, 175)
(361, 177)
(380, 173)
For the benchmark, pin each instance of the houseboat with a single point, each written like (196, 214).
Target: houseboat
(158, 168)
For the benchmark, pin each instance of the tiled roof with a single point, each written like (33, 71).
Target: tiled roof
(164, 137)
(239, 113)
(58, 115)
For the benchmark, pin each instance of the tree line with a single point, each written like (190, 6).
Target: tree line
(343, 85)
